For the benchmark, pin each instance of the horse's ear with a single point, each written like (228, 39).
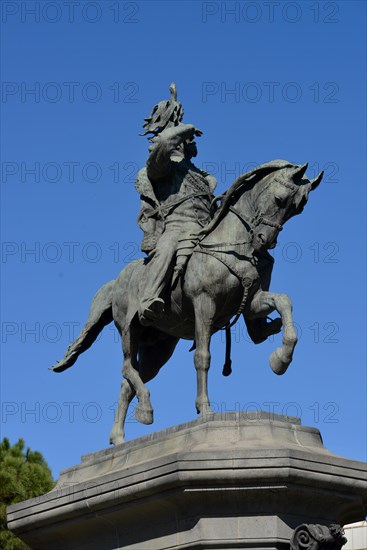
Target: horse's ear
(299, 172)
(300, 200)
(315, 182)
(302, 195)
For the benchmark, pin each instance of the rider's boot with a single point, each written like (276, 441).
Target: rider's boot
(260, 329)
(152, 312)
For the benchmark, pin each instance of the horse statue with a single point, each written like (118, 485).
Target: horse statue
(227, 275)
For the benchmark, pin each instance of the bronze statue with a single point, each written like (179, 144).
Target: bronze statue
(206, 264)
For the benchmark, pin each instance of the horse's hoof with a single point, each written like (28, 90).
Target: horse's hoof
(277, 364)
(117, 440)
(204, 409)
(145, 416)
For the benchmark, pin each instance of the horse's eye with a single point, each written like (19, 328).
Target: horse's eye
(279, 201)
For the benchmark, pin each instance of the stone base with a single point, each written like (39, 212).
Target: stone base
(228, 481)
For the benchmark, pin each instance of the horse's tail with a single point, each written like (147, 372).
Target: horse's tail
(100, 315)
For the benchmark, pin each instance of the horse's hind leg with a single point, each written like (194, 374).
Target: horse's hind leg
(129, 385)
(127, 394)
(151, 360)
(130, 371)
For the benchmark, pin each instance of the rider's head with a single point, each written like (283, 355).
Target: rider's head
(186, 150)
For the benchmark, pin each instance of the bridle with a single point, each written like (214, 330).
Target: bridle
(258, 219)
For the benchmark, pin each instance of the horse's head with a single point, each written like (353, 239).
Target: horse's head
(277, 198)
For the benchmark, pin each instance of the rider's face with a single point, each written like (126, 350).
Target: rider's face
(190, 148)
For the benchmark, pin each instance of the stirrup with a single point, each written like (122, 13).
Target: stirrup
(153, 312)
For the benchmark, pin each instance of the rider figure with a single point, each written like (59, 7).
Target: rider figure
(175, 204)
(176, 200)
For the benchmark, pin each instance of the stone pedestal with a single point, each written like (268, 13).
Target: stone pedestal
(228, 481)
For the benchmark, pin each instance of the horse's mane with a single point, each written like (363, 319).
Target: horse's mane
(243, 183)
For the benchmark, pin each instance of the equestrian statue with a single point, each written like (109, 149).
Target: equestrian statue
(207, 263)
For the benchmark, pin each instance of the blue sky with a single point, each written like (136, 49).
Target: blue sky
(263, 81)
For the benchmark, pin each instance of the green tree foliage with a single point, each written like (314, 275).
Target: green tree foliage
(23, 474)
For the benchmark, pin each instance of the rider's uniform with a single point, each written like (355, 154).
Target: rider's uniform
(175, 205)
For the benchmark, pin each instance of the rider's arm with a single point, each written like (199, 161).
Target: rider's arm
(163, 145)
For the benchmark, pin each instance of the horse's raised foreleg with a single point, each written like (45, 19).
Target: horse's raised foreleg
(204, 313)
(264, 303)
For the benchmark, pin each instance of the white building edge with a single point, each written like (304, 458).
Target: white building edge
(356, 533)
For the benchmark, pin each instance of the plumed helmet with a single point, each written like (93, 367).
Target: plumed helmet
(164, 115)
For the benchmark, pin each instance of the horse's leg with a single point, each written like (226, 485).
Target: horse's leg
(128, 389)
(151, 360)
(130, 345)
(204, 312)
(258, 328)
(264, 303)
(153, 357)
(127, 394)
